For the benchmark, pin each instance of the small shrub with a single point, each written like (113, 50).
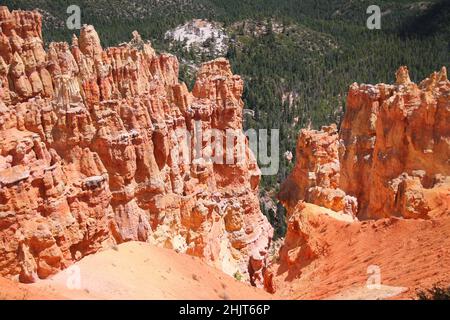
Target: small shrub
(238, 276)
(435, 293)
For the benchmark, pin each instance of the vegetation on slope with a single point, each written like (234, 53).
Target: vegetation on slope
(435, 293)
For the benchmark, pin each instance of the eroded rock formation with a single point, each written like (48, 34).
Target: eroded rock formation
(315, 177)
(391, 155)
(92, 150)
(396, 146)
(389, 162)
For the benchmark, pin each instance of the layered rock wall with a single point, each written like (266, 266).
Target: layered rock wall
(95, 150)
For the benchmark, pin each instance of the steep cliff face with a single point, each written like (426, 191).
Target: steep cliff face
(95, 150)
(389, 166)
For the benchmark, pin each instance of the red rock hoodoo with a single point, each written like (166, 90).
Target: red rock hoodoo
(91, 155)
(390, 158)
(396, 146)
(389, 164)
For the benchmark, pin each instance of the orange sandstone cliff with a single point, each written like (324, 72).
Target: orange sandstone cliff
(91, 155)
(376, 194)
(396, 146)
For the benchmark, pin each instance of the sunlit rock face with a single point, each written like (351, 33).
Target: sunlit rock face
(316, 174)
(395, 147)
(391, 156)
(92, 153)
(390, 164)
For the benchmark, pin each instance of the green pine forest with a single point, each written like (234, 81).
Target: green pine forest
(319, 48)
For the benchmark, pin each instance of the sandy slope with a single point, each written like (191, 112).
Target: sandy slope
(137, 270)
(411, 254)
(10, 290)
